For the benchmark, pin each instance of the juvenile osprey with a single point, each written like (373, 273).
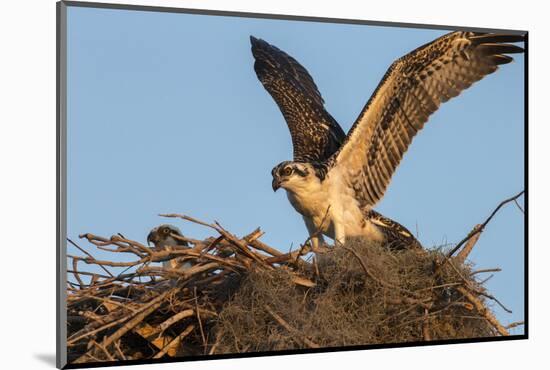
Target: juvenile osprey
(335, 179)
(163, 238)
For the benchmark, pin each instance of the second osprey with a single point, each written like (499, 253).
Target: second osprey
(334, 179)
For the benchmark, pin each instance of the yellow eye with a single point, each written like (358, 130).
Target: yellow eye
(287, 171)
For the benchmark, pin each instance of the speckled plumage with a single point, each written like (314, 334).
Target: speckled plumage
(315, 133)
(335, 182)
(411, 90)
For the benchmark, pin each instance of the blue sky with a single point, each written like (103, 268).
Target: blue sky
(165, 114)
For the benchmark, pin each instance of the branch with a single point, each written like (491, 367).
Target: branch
(480, 307)
(89, 255)
(517, 204)
(175, 342)
(463, 254)
(514, 324)
(478, 230)
(177, 317)
(485, 270)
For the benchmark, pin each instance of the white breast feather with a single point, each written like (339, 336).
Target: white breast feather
(315, 198)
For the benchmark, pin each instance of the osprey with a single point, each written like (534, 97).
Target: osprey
(335, 179)
(164, 237)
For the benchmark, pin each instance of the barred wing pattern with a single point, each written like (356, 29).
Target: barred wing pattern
(315, 134)
(412, 89)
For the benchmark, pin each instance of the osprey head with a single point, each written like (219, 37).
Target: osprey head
(291, 175)
(162, 236)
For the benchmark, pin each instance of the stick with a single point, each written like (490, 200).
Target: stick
(264, 247)
(175, 342)
(187, 218)
(103, 349)
(148, 309)
(480, 307)
(119, 351)
(485, 270)
(463, 254)
(74, 339)
(216, 343)
(76, 273)
(89, 255)
(177, 317)
(426, 326)
(496, 300)
(514, 324)
(517, 204)
(92, 261)
(480, 229)
(199, 318)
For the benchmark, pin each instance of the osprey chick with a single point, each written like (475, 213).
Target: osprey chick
(335, 179)
(163, 239)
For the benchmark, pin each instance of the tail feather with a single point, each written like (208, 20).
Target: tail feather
(397, 236)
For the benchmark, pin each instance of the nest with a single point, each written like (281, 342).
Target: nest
(242, 295)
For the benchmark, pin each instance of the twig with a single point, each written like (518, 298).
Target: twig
(216, 343)
(123, 245)
(514, 324)
(227, 235)
(185, 274)
(76, 273)
(263, 247)
(480, 229)
(426, 326)
(187, 218)
(91, 260)
(494, 299)
(89, 255)
(75, 339)
(242, 246)
(175, 342)
(517, 204)
(103, 349)
(485, 270)
(463, 254)
(480, 307)
(145, 311)
(87, 274)
(119, 351)
(174, 319)
(486, 279)
(199, 318)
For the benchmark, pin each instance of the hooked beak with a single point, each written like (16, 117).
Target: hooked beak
(275, 184)
(150, 238)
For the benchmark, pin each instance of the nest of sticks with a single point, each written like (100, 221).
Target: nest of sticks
(242, 295)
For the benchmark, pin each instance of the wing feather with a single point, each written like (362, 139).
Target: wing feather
(411, 90)
(315, 133)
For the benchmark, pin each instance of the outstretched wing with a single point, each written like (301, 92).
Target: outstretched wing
(412, 89)
(315, 134)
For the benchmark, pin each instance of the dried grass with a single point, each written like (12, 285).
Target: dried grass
(349, 308)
